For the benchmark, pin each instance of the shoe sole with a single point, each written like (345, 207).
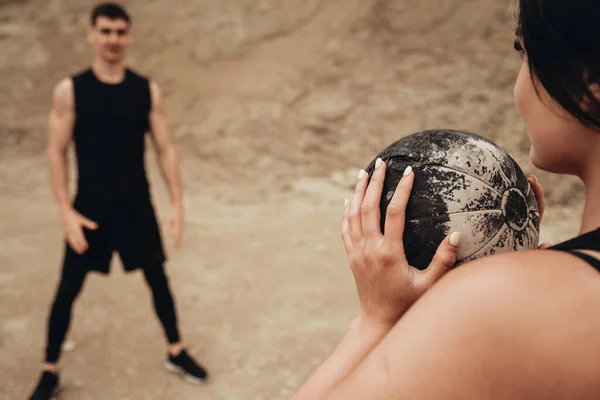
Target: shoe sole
(187, 377)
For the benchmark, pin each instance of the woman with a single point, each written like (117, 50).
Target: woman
(521, 325)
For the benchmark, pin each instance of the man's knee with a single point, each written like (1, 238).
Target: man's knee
(156, 276)
(70, 285)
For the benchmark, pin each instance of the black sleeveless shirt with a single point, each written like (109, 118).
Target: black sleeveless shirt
(109, 134)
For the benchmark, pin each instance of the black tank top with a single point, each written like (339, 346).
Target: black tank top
(588, 241)
(110, 125)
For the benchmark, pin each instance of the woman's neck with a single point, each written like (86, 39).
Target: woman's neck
(108, 72)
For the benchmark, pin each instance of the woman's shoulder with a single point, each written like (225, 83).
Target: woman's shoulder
(532, 268)
(519, 324)
(518, 278)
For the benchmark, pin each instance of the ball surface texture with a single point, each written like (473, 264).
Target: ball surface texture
(463, 182)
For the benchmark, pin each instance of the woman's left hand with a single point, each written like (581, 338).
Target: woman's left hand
(538, 191)
(387, 285)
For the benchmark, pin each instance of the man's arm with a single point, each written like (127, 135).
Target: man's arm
(168, 159)
(60, 132)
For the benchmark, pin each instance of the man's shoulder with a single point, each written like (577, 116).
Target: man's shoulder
(65, 88)
(63, 85)
(63, 92)
(138, 76)
(68, 83)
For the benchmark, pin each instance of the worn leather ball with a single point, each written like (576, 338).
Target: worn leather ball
(463, 182)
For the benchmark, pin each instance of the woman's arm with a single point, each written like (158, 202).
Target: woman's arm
(387, 285)
(360, 340)
(517, 326)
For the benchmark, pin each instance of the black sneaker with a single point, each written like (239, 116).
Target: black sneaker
(47, 388)
(184, 365)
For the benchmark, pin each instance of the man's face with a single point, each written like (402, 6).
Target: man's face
(110, 37)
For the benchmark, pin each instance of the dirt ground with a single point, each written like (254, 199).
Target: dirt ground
(274, 105)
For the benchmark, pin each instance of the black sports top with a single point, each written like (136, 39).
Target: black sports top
(588, 241)
(109, 134)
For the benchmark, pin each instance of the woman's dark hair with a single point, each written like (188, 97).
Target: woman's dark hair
(562, 42)
(111, 11)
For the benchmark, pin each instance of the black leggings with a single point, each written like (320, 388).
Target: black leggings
(69, 288)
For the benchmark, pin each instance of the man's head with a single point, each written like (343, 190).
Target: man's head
(110, 31)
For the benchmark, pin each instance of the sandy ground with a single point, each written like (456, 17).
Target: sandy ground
(274, 106)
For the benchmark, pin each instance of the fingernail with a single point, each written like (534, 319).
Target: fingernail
(455, 238)
(361, 174)
(535, 179)
(345, 203)
(378, 163)
(407, 171)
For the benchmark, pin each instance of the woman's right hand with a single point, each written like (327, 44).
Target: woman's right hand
(387, 285)
(73, 223)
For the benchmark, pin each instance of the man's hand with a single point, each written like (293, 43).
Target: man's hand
(73, 224)
(175, 222)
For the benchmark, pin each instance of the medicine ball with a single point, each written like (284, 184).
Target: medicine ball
(463, 182)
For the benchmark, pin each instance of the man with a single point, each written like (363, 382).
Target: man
(106, 110)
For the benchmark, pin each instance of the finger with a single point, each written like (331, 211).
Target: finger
(396, 210)
(544, 246)
(370, 214)
(444, 258)
(346, 228)
(538, 191)
(81, 240)
(354, 218)
(83, 245)
(88, 223)
(76, 244)
(72, 244)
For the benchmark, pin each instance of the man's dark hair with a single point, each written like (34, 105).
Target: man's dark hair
(111, 11)
(560, 39)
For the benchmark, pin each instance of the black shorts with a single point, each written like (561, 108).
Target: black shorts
(126, 226)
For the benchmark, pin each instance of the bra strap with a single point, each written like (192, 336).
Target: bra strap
(593, 261)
